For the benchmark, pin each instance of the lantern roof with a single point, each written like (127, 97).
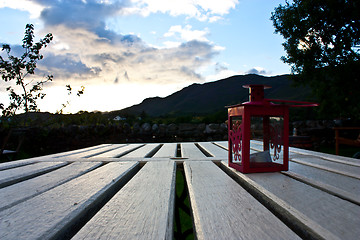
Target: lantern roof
(256, 97)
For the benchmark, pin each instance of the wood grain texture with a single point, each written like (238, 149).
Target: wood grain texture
(142, 209)
(142, 152)
(17, 163)
(340, 168)
(58, 156)
(14, 175)
(338, 192)
(50, 214)
(345, 183)
(336, 215)
(83, 151)
(121, 151)
(223, 144)
(222, 209)
(14, 194)
(46, 196)
(308, 153)
(166, 151)
(348, 168)
(300, 223)
(253, 147)
(189, 150)
(258, 146)
(96, 152)
(330, 157)
(215, 150)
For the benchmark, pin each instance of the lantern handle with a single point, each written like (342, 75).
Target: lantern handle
(298, 103)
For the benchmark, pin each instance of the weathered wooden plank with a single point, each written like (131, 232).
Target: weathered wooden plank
(121, 151)
(66, 155)
(14, 194)
(143, 151)
(348, 184)
(142, 209)
(222, 209)
(253, 148)
(308, 153)
(189, 150)
(316, 161)
(14, 175)
(214, 150)
(345, 169)
(223, 144)
(330, 157)
(327, 216)
(80, 152)
(54, 213)
(93, 152)
(103, 150)
(17, 163)
(338, 192)
(258, 146)
(168, 150)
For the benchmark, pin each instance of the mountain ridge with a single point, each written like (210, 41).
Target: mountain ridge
(210, 97)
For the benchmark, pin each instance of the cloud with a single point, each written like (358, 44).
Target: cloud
(97, 58)
(24, 5)
(258, 71)
(67, 66)
(214, 19)
(85, 50)
(222, 75)
(88, 14)
(220, 67)
(126, 76)
(220, 70)
(187, 34)
(200, 9)
(190, 72)
(171, 44)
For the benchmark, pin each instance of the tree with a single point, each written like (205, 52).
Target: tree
(322, 40)
(18, 68)
(69, 89)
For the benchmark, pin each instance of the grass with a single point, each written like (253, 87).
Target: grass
(186, 222)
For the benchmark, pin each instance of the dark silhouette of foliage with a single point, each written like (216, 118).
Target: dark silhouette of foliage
(69, 89)
(25, 95)
(322, 40)
(18, 68)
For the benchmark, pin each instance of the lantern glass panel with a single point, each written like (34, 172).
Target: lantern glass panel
(236, 138)
(269, 130)
(256, 127)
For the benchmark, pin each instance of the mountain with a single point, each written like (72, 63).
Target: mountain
(202, 99)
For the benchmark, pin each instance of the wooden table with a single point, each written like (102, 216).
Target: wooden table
(127, 191)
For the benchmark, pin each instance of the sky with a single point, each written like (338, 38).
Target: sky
(124, 51)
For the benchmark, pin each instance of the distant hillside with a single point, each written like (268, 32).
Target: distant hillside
(202, 99)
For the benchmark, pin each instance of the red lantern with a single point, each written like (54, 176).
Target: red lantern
(263, 120)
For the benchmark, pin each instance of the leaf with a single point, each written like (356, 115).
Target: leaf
(6, 47)
(81, 91)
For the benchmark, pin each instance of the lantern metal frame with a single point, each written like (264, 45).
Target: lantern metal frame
(275, 137)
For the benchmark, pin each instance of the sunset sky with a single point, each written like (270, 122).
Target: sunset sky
(124, 51)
